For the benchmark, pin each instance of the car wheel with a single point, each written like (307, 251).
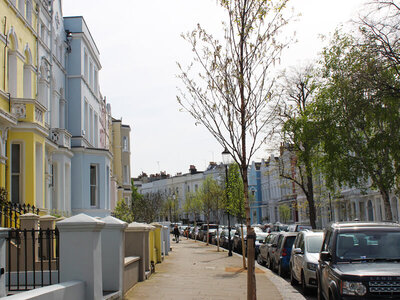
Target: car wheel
(259, 260)
(293, 280)
(303, 284)
(320, 296)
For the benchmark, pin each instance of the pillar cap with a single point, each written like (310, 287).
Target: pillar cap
(81, 222)
(48, 218)
(29, 216)
(135, 226)
(155, 224)
(4, 232)
(111, 222)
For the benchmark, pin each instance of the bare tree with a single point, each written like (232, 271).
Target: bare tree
(299, 132)
(231, 92)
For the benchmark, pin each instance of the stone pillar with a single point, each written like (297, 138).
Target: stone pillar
(28, 221)
(48, 222)
(137, 244)
(3, 244)
(80, 253)
(113, 254)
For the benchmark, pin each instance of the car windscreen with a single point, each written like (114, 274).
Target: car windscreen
(289, 241)
(368, 244)
(314, 243)
(213, 227)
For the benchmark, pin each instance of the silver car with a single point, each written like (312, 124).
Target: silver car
(304, 259)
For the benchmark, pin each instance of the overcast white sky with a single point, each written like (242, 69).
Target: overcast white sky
(140, 43)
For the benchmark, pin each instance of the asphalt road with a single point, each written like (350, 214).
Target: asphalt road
(311, 296)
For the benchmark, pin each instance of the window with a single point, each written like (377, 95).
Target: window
(126, 174)
(93, 185)
(95, 144)
(91, 125)
(85, 67)
(21, 7)
(27, 81)
(90, 74)
(125, 144)
(15, 173)
(86, 119)
(29, 11)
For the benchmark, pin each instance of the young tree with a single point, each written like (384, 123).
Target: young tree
(210, 192)
(231, 93)
(299, 132)
(123, 212)
(235, 202)
(193, 205)
(284, 213)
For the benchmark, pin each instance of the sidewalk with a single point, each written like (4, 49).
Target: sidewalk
(195, 271)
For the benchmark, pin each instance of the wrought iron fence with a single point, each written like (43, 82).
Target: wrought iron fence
(32, 259)
(10, 212)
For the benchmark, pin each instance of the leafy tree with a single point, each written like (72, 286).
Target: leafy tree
(231, 93)
(284, 213)
(210, 192)
(123, 212)
(358, 110)
(300, 133)
(193, 204)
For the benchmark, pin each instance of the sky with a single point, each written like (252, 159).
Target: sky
(140, 43)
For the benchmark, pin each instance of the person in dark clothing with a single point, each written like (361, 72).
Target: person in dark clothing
(176, 233)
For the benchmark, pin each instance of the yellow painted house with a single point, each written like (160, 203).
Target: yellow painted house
(23, 131)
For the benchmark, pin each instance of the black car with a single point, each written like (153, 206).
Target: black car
(360, 261)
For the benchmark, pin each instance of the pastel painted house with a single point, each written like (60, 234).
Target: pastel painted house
(88, 122)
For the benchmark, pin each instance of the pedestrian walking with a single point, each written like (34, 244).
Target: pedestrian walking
(176, 233)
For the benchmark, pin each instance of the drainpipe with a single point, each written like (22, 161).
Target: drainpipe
(37, 50)
(5, 50)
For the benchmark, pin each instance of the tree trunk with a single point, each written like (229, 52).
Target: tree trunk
(217, 236)
(310, 199)
(243, 246)
(251, 276)
(208, 226)
(386, 204)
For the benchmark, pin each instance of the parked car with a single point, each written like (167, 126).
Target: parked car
(211, 231)
(360, 261)
(224, 238)
(304, 259)
(265, 250)
(298, 227)
(280, 258)
(237, 239)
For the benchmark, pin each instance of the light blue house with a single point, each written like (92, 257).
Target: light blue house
(88, 122)
(254, 178)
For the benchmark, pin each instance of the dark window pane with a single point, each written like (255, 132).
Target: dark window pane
(15, 188)
(92, 196)
(92, 175)
(15, 156)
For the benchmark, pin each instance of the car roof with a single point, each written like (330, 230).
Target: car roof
(364, 224)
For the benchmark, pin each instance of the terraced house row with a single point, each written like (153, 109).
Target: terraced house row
(60, 148)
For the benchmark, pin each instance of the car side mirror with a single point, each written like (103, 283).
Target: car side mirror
(325, 256)
(274, 245)
(297, 251)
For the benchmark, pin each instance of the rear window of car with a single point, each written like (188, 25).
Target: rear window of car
(289, 241)
(314, 243)
(213, 227)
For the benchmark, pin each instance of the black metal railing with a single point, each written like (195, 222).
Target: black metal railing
(32, 259)
(10, 213)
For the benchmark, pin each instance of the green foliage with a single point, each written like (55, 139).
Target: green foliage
(170, 208)
(358, 114)
(3, 196)
(123, 212)
(211, 195)
(284, 213)
(235, 202)
(193, 204)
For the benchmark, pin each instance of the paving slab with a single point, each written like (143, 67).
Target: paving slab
(193, 270)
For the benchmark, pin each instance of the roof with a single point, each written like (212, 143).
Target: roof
(364, 224)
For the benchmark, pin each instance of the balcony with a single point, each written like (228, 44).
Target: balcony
(61, 137)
